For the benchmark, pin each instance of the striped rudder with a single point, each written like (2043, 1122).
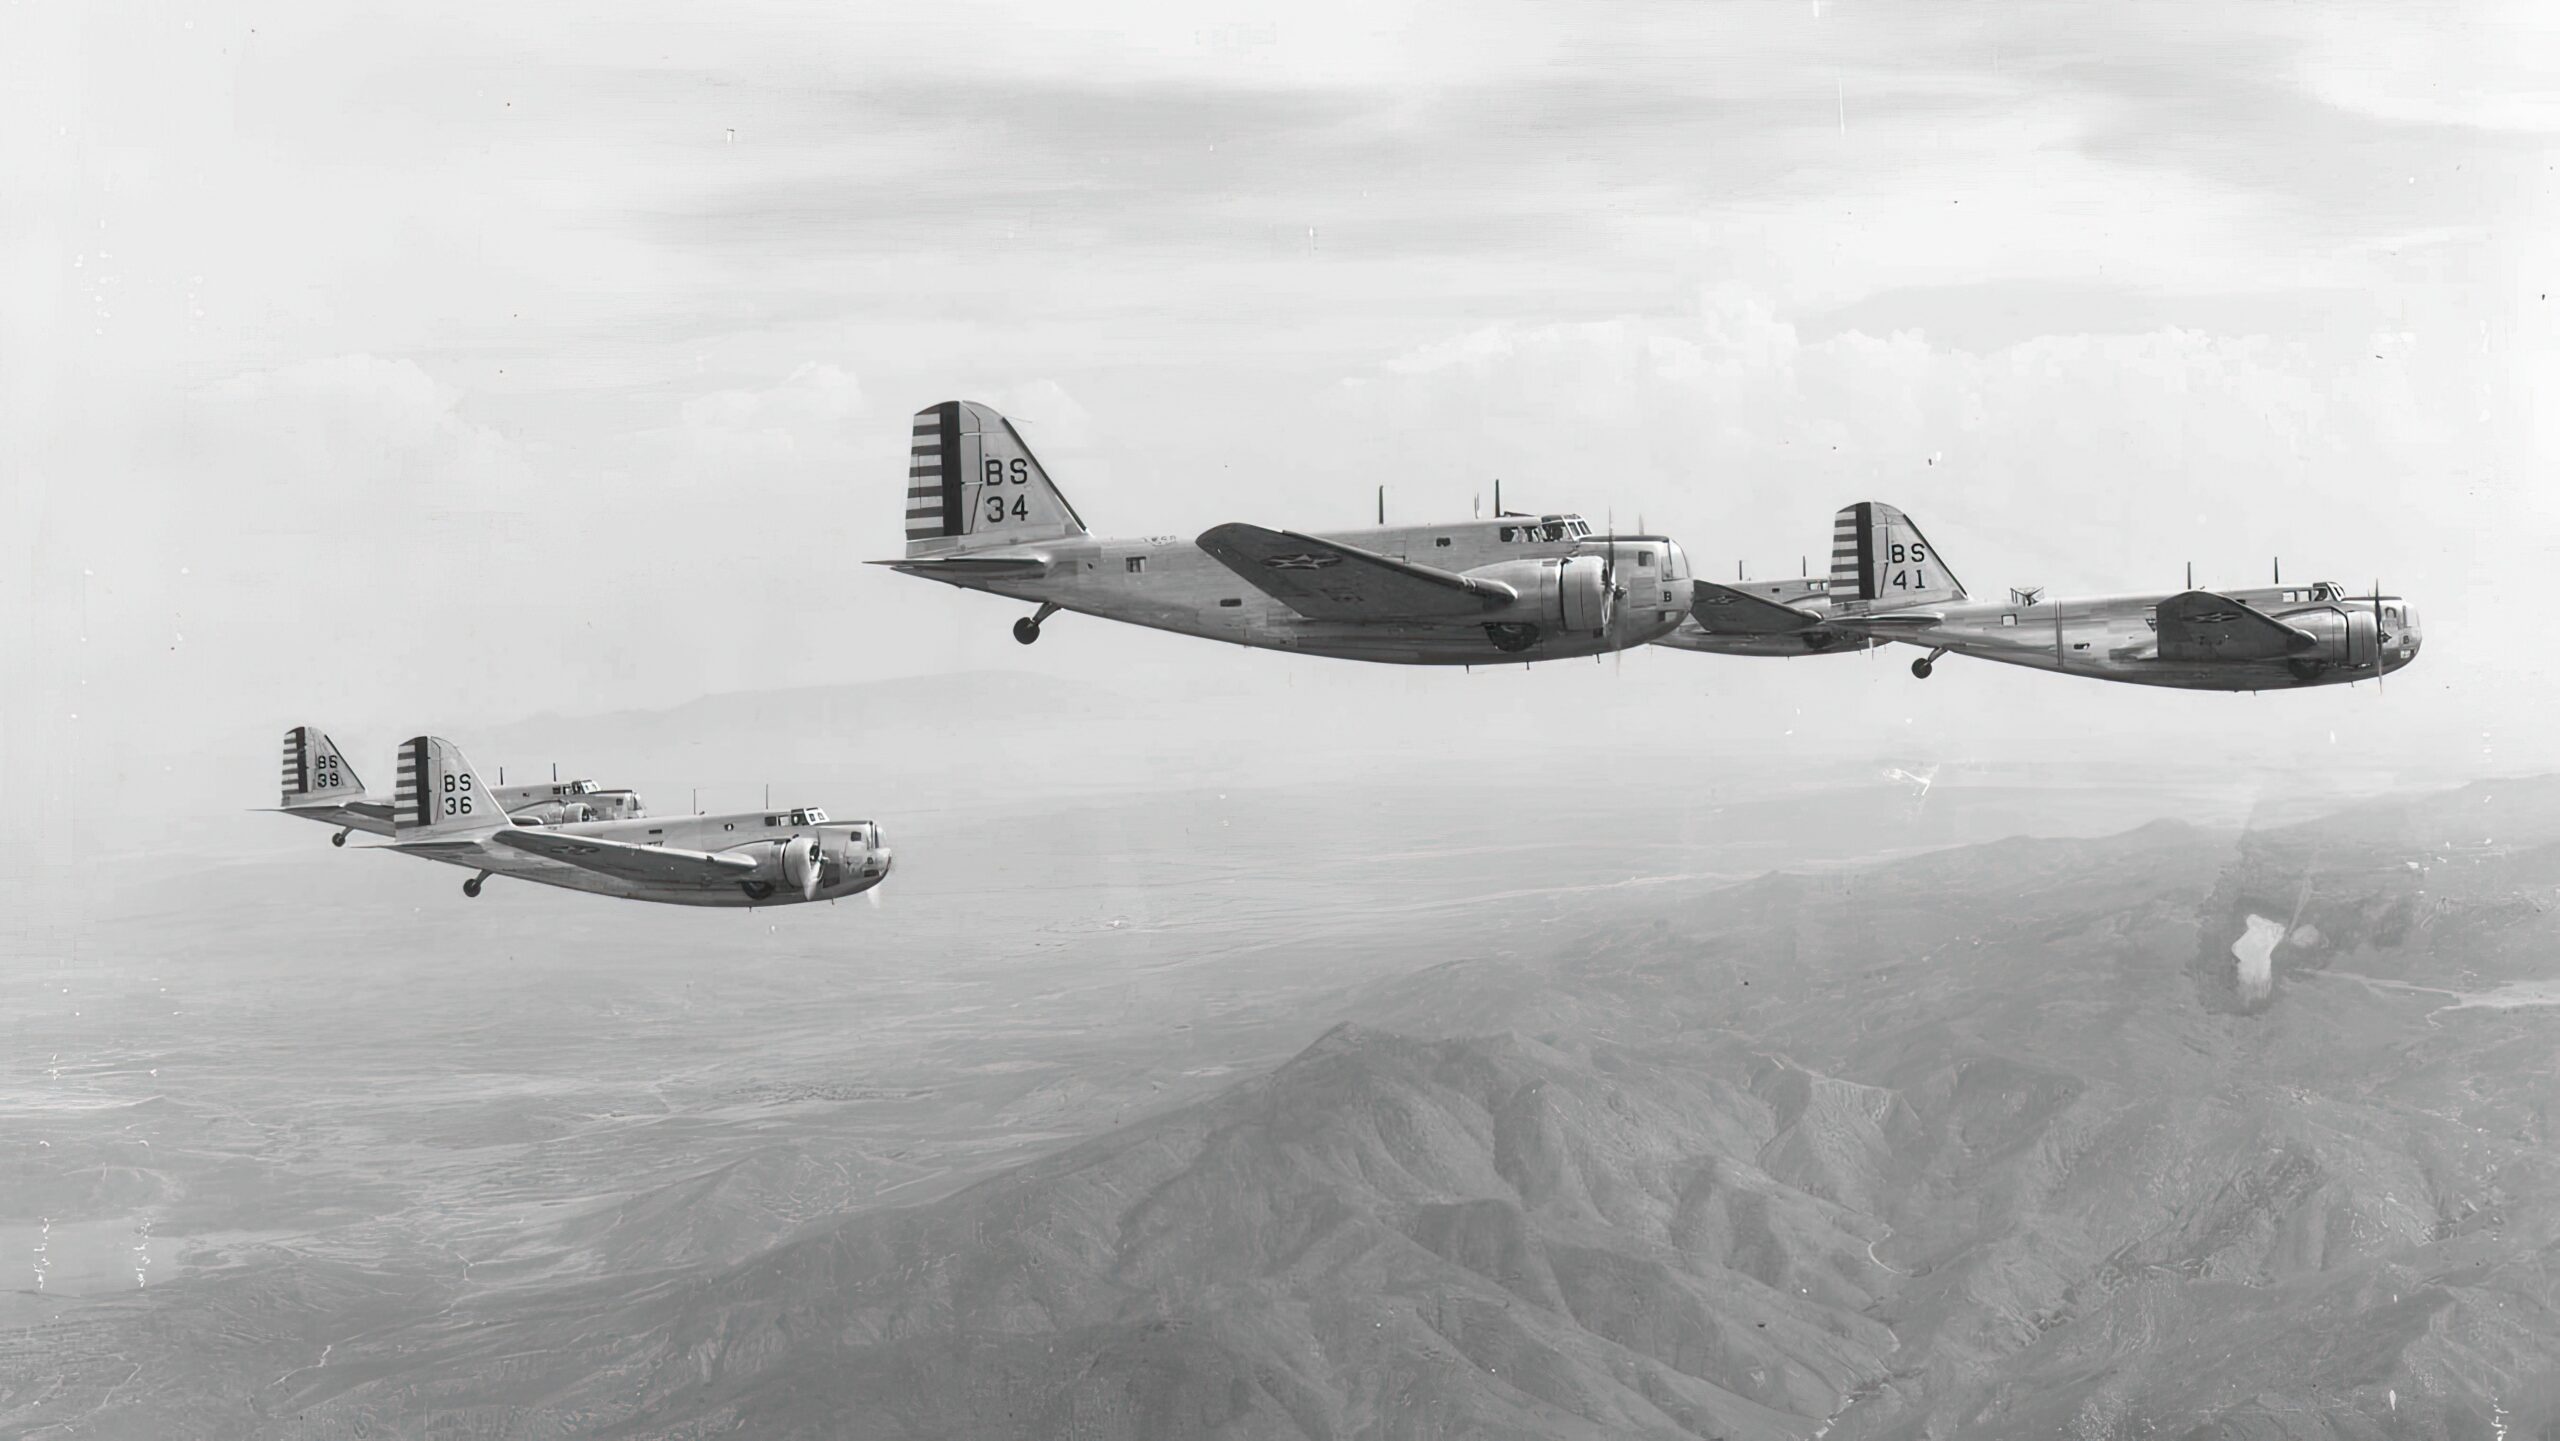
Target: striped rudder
(314, 772)
(1881, 561)
(439, 795)
(973, 484)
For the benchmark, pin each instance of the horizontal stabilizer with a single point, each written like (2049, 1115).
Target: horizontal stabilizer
(974, 567)
(2200, 625)
(371, 817)
(1327, 580)
(1723, 610)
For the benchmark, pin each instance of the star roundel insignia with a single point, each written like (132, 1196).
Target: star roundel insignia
(2215, 617)
(1304, 560)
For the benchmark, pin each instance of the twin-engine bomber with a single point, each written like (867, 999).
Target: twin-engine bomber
(983, 515)
(442, 811)
(1887, 583)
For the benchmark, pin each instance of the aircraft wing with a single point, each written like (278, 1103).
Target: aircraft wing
(627, 861)
(1327, 580)
(371, 817)
(1726, 611)
(2200, 625)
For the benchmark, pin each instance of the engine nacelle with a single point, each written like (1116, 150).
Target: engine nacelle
(792, 861)
(1570, 596)
(2346, 637)
(801, 867)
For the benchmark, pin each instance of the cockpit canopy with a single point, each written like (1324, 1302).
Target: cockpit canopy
(1544, 528)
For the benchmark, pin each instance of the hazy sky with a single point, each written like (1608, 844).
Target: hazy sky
(402, 369)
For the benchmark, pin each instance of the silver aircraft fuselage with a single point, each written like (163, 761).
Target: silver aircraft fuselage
(1167, 582)
(854, 856)
(2115, 637)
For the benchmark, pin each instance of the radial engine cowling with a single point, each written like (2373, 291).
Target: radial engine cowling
(2346, 637)
(802, 867)
(1564, 597)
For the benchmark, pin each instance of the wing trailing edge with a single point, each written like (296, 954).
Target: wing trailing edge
(1723, 610)
(1328, 580)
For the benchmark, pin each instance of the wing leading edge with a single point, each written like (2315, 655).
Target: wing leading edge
(1723, 610)
(1327, 580)
(626, 861)
(2200, 625)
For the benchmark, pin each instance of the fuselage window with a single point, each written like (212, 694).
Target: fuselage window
(1441, 541)
(1136, 564)
(773, 820)
(2009, 619)
(1644, 559)
(1231, 601)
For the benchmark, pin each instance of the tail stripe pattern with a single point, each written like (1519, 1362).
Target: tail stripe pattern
(411, 798)
(1852, 540)
(297, 761)
(933, 482)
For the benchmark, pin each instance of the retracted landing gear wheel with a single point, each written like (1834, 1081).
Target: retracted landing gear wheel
(1922, 667)
(471, 887)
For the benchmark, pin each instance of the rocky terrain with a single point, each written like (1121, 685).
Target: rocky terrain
(1985, 1142)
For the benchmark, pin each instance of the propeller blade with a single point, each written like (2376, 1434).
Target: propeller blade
(2381, 640)
(804, 865)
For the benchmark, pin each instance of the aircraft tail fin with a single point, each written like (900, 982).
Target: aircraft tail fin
(315, 774)
(972, 484)
(1881, 561)
(440, 798)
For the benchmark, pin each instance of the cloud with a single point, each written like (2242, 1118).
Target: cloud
(352, 421)
(809, 411)
(2086, 461)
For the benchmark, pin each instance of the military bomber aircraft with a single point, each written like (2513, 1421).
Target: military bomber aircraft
(983, 515)
(1888, 583)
